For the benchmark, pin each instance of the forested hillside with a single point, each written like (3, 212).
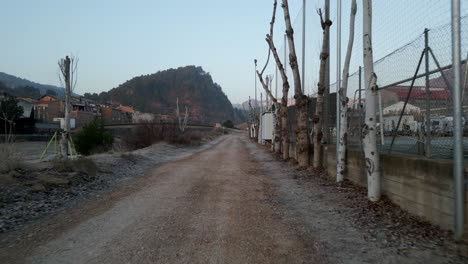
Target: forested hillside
(157, 93)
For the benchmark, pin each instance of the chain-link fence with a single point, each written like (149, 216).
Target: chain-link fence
(415, 100)
(415, 108)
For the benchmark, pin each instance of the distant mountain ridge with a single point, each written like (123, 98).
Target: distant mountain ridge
(15, 82)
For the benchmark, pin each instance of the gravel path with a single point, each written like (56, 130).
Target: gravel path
(231, 203)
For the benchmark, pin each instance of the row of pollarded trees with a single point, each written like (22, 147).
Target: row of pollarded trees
(302, 101)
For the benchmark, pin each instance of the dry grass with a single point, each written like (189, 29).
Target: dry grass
(9, 158)
(78, 165)
(146, 134)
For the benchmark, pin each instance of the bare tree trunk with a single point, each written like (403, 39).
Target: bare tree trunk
(5, 120)
(369, 130)
(324, 58)
(326, 102)
(66, 133)
(302, 101)
(341, 164)
(283, 110)
(277, 137)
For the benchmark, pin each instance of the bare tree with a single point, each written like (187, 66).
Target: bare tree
(9, 112)
(253, 119)
(341, 164)
(283, 109)
(68, 77)
(182, 120)
(302, 101)
(322, 86)
(369, 129)
(325, 123)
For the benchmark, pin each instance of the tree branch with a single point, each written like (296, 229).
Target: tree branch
(265, 87)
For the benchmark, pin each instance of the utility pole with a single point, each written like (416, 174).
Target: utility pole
(338, 72)
(458, 170)
(303, 42)
(255, 73)
(326, 109)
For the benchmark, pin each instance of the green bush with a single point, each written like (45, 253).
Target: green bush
(228, 124)
(93, 138)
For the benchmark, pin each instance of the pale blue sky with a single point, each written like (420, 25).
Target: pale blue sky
(116, 40)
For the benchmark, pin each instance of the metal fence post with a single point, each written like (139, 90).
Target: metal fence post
(428, 96)
(360, 106)
(338, 74)
(458, 170)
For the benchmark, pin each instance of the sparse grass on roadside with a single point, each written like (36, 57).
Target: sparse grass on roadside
(85, 165)
(9, 158)
(129, 156)
(146, 134)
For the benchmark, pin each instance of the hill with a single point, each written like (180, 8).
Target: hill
(157, 93)
(32, 88)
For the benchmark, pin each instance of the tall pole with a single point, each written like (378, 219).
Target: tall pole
(427, 142)
(458, 177)
(326, 107)
(261, 103)
(338, 72)
(285, 56)
(382, 138)
(255, 73)
(276, 83)
(360, 105)
(303, 43)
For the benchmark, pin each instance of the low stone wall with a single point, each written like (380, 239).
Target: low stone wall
(421, 186)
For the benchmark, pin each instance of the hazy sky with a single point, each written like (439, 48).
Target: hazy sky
(116, 40)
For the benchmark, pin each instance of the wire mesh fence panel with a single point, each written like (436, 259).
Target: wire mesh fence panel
(415, 104)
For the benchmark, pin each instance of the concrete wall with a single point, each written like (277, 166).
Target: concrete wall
(423, 187)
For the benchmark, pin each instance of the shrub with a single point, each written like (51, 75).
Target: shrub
(228, 124)
(193, 138)
(146, 134)
(9, 158)
(85, 165)
(93, 138)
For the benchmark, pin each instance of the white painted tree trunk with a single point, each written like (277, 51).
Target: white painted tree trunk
(341, 161)
(369, 129)
(182, 121)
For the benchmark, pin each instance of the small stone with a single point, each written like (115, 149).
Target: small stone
(48, 180)
(15, 174)
(73, 174)
(37, 187)
(7, 179)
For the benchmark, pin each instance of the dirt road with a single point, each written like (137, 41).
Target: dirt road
(209, 208)
(231, 203)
